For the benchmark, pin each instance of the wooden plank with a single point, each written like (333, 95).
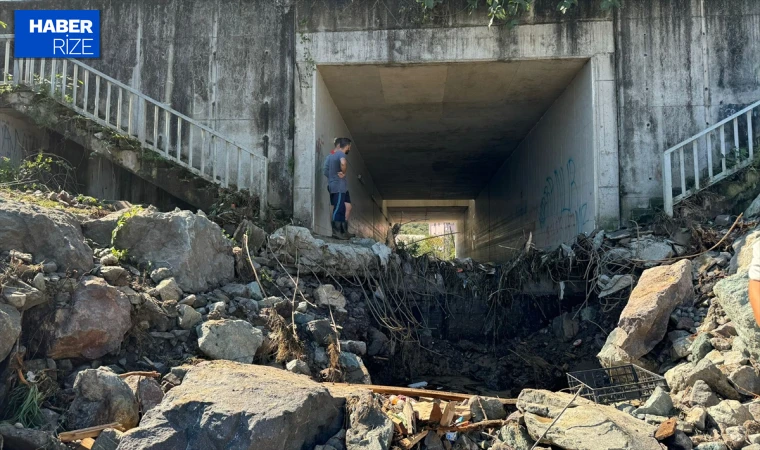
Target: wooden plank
(447, 417)
(87, 443)
(92, 432)
(409, 392)
(466, 428)
(409, 418)
(427, 411)
(140, 374)
(408, 443)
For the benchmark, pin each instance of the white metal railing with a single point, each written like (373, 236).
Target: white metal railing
(709, 162)
(113, 104)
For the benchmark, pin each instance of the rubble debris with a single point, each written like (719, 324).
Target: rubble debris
(234, 340)
(16, 438)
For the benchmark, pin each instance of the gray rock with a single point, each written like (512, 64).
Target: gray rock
(13, 438)
(48, 234)
(616, 284)
(743, 252)
(254, 291)
(221, 404)
(711, 446)
(108, 439)
(301, 318)
(168, 289)
(565, 326)
(101, 397)
(729, 413)
(109, 259)
(235, 340)
(586, 426)
(10, 329)
(160, 274)
(94, 324)
(256, 236)
(192, 246)
(326, 295)
(146, 390)
(486, 408)
(697, 417)
(701, 347)
(236, 290)
(100, 230)
(735, 437)
(682, 348)
(651, 249)
(355, 347)
(746, 380)
(299, 367)
(23, 296)
(659, 404)
(188, 317)
(320, 331)
(379, 343)
(370, 428)
(702, 395)
(354, 369)
(115, 275)
(685, 375)
(516, 436)
(731, 294)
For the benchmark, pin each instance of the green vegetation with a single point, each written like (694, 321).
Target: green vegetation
(42, 171)
(121, 254)
(507, 12)
(415, 239)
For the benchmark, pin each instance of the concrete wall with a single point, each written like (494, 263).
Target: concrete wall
(227, 63)
(546, 187)
(682, 66)
(367, 218)
(19, 138)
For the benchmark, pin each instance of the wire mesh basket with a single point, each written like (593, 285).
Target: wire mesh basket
(615, 384)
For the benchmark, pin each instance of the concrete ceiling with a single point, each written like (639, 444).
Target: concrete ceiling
(441, 131)
(405, 211)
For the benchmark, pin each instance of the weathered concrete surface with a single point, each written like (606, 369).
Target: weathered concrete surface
(221, 404)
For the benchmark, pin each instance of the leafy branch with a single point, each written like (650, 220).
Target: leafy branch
(508, 11)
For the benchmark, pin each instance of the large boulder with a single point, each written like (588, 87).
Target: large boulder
(584, 425)
(316, 255)
(13, 438)
(235, 340)
(92, 326)
(743, 251)
(190, 245)
(644, 320)
(146, 390)
(10, 329)
(686, 375)
(100, 230)
(732, 295)
(48, 234)
(222, 404)
(101, 397)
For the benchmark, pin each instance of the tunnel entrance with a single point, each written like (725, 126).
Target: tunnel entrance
(501, 149)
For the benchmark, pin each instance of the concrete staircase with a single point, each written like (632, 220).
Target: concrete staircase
(706, 158)
(145, 136)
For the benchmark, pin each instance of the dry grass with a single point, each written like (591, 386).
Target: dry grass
(285, 340)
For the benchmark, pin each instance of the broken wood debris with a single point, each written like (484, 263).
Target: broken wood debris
(84, 433)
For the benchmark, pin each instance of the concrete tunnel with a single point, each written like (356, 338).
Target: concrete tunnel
(502, 149)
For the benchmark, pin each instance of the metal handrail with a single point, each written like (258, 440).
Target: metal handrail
(712, 177)
(171, 133)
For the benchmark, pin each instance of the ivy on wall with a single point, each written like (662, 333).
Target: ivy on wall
(508, 11)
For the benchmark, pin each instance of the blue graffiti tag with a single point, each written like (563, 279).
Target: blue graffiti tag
(561, 208)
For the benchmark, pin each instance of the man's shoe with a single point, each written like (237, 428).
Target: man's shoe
(336, 230)
(344, 229)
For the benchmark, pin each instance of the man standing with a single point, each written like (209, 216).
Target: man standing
(337, 185)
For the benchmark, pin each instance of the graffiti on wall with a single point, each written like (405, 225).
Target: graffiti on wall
(562, 213)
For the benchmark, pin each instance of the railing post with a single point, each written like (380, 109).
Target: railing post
(749, 136)
(264, 195)
(667, 184)
(142, 121)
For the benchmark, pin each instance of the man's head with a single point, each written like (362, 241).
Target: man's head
(344, 144)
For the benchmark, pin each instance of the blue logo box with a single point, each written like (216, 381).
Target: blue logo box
(57, 34)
